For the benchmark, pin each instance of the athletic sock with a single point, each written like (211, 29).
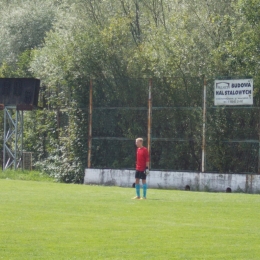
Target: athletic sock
(137, 187)
(144, 190)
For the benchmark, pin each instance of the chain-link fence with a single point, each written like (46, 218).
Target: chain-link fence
(120, 114)
(232, 136)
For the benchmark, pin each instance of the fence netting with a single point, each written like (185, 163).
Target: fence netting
(119, 116)
(120, 111)
(232, 136)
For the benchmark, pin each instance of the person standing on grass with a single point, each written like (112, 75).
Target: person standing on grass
(142, 168)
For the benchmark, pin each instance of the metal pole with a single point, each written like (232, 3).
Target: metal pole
(58, 123)
(22, 139)
(149, 119)
(90, 123)
(204, 128)
(4, 150)
(16, 139)
(259, 146)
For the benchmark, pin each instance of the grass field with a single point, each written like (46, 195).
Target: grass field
(44, 220)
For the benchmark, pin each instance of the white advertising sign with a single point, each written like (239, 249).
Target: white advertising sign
(233, 92)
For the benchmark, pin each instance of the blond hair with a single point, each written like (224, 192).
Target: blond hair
(139, 139)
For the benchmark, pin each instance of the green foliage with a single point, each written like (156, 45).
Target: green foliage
(24, 26)
(251, 9)
(66, 43)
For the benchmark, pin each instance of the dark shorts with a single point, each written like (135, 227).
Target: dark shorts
(140, 175)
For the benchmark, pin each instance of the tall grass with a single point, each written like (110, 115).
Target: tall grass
(25, 175)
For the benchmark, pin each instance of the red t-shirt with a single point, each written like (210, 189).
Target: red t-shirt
(142, 157)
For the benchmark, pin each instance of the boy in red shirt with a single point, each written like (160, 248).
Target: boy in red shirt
(142, 168)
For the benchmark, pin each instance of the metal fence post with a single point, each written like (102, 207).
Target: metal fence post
(90, 123)
(5, 138)
(149, 119)
(259, 146)
(22, 140)
(204, 127)
(16, 139)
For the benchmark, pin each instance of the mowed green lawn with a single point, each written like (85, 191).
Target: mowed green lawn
(43, 220)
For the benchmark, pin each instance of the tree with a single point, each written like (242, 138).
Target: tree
(23, 27)
(69, 42)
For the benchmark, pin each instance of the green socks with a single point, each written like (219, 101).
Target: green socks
(137, 188)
